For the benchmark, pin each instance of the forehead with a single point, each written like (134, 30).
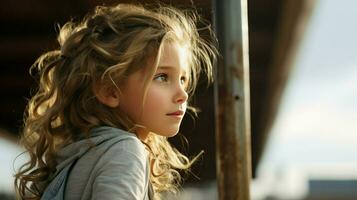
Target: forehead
(174, 56)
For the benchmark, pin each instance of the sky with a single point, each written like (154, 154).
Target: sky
(8, 152)
(316, 126)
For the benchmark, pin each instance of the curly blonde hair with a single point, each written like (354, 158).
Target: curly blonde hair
(106, 46)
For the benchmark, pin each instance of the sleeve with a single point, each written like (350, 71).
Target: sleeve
(122, 173)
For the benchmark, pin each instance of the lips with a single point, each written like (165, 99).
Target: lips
(178, 112)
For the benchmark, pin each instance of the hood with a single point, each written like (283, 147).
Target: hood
(98, 135)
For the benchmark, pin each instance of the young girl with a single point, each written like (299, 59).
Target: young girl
(108, 99)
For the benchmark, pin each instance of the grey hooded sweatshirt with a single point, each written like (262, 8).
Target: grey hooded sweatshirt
(111, 164)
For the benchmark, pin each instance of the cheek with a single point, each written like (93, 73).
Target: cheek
(155, 100)
(131, 104)
(129, 107)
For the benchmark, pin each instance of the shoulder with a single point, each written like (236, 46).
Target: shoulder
(125, 144)
(122, 149)
(122, 170)
(129, 147)
(114, 140)
(116, 166)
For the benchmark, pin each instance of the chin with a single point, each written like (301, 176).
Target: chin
(173, 134)
(169, 133)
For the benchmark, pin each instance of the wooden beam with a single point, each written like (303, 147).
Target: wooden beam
(291, 28)
(232, 100)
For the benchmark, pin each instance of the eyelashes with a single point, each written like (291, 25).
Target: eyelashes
(183, 80)
(163, 77)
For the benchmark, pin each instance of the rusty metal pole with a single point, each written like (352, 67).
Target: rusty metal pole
(232, 100)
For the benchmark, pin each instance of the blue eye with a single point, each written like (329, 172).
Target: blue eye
(161, 77)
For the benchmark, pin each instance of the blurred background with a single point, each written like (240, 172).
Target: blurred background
(303, 78)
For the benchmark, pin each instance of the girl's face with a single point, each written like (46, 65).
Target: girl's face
(166, 97)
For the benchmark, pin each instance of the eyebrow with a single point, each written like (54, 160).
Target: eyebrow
(168, 67)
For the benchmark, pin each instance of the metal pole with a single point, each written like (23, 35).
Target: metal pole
(232, 100)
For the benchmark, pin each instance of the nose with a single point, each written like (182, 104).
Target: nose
(181, 95)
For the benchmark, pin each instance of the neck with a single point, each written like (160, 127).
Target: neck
(142, 134)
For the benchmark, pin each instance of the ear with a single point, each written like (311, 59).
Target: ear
(108, 96)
